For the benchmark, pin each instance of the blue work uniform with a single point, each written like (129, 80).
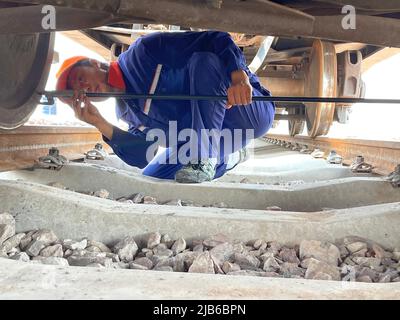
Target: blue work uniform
(184, 63)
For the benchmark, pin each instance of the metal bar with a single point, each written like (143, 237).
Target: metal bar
(383, 155)
(68, 18)
(289, 116)
(69, 94)
(286, 54)
(264, 18)
(132, 31)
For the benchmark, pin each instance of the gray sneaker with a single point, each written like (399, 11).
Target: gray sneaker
(196, 172)
(242, 156)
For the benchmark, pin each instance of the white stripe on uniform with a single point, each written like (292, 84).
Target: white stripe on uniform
(153, 88)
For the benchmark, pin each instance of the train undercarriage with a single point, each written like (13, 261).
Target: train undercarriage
(289, 196)
(297, 48)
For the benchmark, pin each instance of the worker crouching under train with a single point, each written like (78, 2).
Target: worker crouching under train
(184, 63)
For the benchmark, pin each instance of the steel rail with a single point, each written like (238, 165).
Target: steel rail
(20, 148)
(384, 156)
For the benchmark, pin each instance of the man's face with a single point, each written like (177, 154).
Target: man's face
(89, 79)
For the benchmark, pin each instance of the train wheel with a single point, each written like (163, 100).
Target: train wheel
(25, 61)
(321, 81)
(296, 126)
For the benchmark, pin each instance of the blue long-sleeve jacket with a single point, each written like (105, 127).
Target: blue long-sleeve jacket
(139, 65)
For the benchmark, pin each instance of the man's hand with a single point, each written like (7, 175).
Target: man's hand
(84, 110)
(240, 91)
(87, 112)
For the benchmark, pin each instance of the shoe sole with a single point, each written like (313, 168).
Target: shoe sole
(183, 178)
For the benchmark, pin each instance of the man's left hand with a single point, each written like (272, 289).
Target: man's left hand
(240, 91)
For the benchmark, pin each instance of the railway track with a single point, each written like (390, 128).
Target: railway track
(20, 148)
(384, 156)
(277, 195)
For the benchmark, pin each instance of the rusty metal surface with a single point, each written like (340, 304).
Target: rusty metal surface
(260, 17)
(84, 40)
(321, 81)
(21, 147)
(384, 156)
(67, 18)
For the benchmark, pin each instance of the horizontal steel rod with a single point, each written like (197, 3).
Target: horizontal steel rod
(69, 94)
(289, 116)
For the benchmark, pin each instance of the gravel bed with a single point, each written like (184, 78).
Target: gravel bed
(349, 259)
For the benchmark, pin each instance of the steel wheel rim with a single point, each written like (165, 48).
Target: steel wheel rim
(321, 80)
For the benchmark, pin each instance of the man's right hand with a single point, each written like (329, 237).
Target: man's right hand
(87, 112)
(84, 110)
(240, 91)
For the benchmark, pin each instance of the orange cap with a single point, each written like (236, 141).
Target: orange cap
(63, 72)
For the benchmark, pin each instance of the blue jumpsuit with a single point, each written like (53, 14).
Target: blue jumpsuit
(188, 63)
